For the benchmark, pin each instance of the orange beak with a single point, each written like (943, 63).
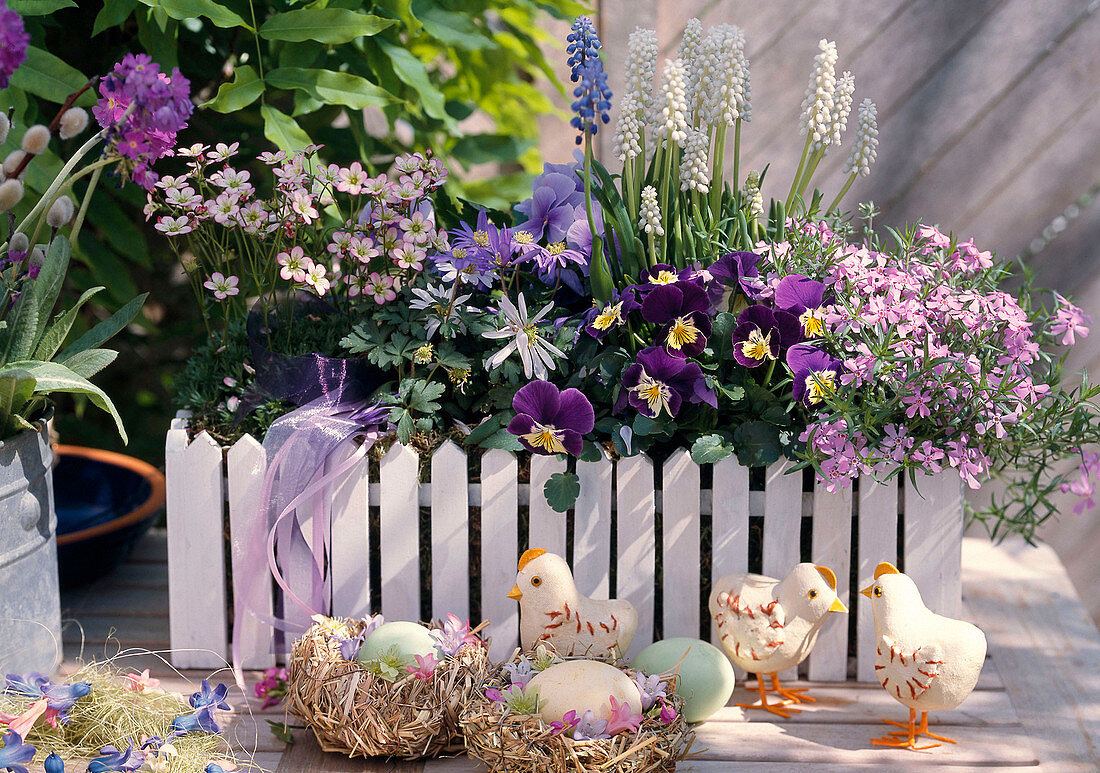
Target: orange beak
(838, 606)
(515, 594)
(867, 591)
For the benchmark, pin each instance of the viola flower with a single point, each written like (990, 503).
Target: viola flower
(659, 383)
(551, 210)
(535, 351)
(661, 274)
(222, 286)
(141, 682)
(425, 666)
(763, 335)
(622, 719)
(734, 268)
(13, 43)
(600, 320)
(549, 421)
(15, 753)
(114, 760)
(681, 309)
(805, 298)
(815, 373)
(454, 636)
(380, 288)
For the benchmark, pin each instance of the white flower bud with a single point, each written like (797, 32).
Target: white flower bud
(73, 122)
(817, 107)
(641, 67)
(60, 212)
(628, 130)
(694, 169)
(38, 256)
(11, 191)
(650, 221)
(19, 242)
(864, 152)
(12, 162)
(843, 97)
(5, 126)
(36, 139)
(672, 106)
(753, 194)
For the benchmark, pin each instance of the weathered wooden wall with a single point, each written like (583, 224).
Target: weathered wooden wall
(989, 118)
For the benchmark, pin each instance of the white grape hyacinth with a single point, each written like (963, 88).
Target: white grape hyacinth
(865, 150)
(817, 107)
(694, 169)
(843, 97)
(753, 194)
(691, 53)
(641, 67)
(672, 106)
(627, 142)
(726, 91)
(651, 212)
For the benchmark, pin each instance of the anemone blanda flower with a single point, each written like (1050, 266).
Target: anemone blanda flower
(15, 753)
(549, 421)
(535, 351)
(600, 320)
(814, 372)
(659, 383)
(806, 299)
(552, 207)
(681, 309)
(762, 335)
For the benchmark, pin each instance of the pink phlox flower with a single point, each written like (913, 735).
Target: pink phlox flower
(896, 442)
(933, 237)
(918, 404)
(1084, 485)
(1069, 322)
(425, 666)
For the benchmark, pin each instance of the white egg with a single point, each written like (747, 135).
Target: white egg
(581, 685)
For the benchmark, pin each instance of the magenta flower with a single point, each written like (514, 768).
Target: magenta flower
(495, 695)
(659, 383)
(805, 298)
(273, 687)
(622, 719)
(549, 421)
(762, 335)
(668, 713)
(681, 309)
(815, 373)
(13, 43)
(425, 666)
(568, 722)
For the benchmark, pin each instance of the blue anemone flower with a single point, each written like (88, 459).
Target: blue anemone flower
(210, 697)
(15, 753)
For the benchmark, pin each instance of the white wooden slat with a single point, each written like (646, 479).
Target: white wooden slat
(933, 540)
(399, 535)
(782, 526)
(547, 528)
(349, 540)
(680, 511)
(592, 529)
(499, 549)
(450, 533)
(832, 547)
(635, 505)
(878, 541)
(729, 522)
(246, 464)
(195, 498)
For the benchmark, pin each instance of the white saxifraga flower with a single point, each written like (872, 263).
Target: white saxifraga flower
(843, 96)
(690, 53)
(628, 130)
(641, 67)
(694, 170)
(817, 107)
(651, 212)
(753, 194)
(672, 105)
(726, 92)
(865, 150)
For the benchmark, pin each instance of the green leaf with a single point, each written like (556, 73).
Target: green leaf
(721, 335)
(413, 72)
(561, 491)
(46, 76)
(51, 377)
(105, 329)
(56, 333)
(16, 388)
(245, 89)
(489, 148)
(17, 338)
(218, 14)
(590, 452)
(757, 443)
(283, 131)
(502, 439)
(324, 25)
(39, 7)
(90, 361)
(334, 88)
(485, 429)
(113, 14)
(450, 27)
(47, 287)
(281, 730)
(709, 449)
(402, 9)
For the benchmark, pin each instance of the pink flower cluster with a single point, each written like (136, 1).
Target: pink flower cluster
(272, 688)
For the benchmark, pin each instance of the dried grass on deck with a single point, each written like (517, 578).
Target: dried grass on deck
(357, 713)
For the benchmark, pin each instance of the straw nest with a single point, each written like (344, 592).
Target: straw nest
(521, 743)
(357, 713)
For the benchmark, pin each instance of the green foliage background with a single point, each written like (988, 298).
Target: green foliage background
(464, 78)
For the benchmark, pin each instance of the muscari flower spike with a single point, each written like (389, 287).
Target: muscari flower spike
(864, 151)
(593, 96)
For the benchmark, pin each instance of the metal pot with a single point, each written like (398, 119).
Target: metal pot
(30, 602)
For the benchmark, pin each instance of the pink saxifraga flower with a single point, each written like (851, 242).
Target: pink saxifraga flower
(222, 286)
(315, 278)
(380, 288)
(294, 264)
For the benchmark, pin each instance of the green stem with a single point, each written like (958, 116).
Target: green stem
(75, 232)
(798, 173)
(256, 37)
(843, 192)
(716, 177)
(810, 169)
(737, 154)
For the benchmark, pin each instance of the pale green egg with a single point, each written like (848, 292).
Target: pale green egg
(410, 639)
(705, 676)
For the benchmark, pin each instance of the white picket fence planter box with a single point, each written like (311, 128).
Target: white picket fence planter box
(210, 488)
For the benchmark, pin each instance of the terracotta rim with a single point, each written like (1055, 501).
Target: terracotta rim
(143, 511)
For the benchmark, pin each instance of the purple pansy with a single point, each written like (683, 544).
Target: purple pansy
(763, 334)
(681, 309)
(805, 298)
(13, 43)
(15, 753)
(549, 421)
(59, 697)
(114, 760)
(737, 270)
(662, 274)
(552, 207)
(814, 371)
(659, 383)
(601, 320)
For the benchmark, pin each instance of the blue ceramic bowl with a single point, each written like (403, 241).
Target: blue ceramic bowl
(105, 503)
